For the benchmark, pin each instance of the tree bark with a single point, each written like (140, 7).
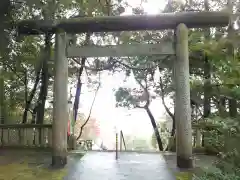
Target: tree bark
(2, 97)
(207, 88)
(166, 108)
(173, 127)
(44, 79)
(79, 85)
(207, 91)
(230, 49)
(207, 78)
(232, 108)
(198, 138)
(90, 112)
(222, 107)
(30, 98)
(155, 128)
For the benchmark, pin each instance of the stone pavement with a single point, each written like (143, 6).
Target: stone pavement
(129, 166)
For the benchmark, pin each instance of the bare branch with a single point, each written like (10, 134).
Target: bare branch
(145, 93)
(163, 100)
(90, 111)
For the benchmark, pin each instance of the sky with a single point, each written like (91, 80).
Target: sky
(108, 116)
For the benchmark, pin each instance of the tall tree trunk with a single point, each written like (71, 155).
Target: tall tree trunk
(232, 108)
(34, 114)
(207, 91)
(2, 100)
(90, 111)
(79, 83)
(166, 108)
(230, 48)
(30, 98)
(222, 107)
(173, 127)
(2, 97)
(207, 77)
(44, 80)
(155, 128)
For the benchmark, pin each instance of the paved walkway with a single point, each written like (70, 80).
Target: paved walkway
(129, 166)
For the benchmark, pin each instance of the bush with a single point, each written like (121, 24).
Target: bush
(224, 141)
(216, 174)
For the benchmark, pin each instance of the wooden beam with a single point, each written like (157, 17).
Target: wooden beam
(127, 23)
(121, 50)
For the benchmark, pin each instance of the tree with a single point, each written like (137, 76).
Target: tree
(214, 62)
(164, 131)
(125, 98)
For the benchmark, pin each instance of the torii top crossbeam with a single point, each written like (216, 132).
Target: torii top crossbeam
(126, 23)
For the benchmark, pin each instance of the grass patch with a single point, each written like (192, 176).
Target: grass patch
(32, 165)
(25, 171)
(184, 176)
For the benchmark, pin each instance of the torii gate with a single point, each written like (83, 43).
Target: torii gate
(178, 21)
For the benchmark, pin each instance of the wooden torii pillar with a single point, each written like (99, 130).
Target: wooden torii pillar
(178, 21)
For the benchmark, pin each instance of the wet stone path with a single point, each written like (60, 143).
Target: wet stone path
(129, 166)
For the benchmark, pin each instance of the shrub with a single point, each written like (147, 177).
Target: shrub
(224, 141)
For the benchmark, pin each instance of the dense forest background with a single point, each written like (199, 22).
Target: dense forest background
(26, 79)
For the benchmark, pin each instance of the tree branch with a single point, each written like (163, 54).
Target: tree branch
(163, 100)
(90, 111)
(6, 64)
(155, 128)
(113, 61)
(83, 60)
(147, 99)
(32, 93)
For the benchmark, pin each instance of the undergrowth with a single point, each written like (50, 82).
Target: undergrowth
(225, 142)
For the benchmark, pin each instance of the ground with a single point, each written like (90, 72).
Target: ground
(129, 166)
(200, 161)
(28, 165)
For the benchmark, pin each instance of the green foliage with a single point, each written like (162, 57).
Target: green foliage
(223, 138)
(224, 141)
(126, 98)
(216, 174)
(21, 57)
